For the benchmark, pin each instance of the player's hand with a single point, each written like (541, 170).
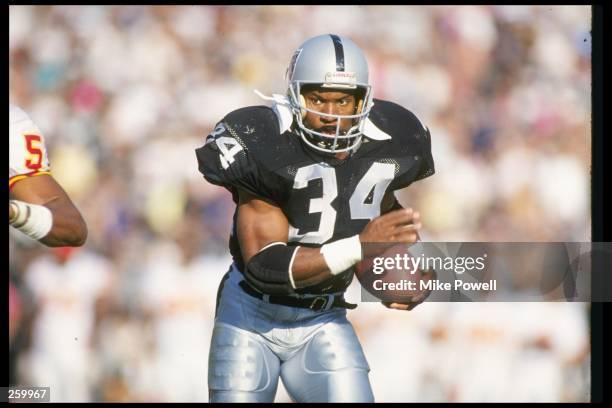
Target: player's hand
(396, 227)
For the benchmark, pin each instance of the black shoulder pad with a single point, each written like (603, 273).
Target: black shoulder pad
(229, 156)
(427, 167)
(408, 136)
(253, 122)
(397, 121)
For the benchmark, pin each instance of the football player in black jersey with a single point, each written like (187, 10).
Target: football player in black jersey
(313, 178)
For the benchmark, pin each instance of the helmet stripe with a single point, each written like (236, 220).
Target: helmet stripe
(339, 52)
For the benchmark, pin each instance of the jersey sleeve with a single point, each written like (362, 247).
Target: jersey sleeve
(417, 162)
(27, 150)
(227, 160)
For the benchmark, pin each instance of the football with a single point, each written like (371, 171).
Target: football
(393, 277)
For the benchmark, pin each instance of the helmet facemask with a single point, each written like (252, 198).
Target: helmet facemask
(340, 141)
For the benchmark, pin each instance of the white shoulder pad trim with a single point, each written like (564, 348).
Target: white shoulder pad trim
(371, 131)
(283, 112)
(281, 107)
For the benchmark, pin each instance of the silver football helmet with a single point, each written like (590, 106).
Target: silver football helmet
(335, 62)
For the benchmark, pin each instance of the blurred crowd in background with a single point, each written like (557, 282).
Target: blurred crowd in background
(124, 94)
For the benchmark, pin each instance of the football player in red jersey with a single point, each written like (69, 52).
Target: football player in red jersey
(38, 206)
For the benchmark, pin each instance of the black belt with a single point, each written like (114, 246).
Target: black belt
(321, 302)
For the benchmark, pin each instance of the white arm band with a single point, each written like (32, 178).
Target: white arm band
(342, 254)
(33, 220)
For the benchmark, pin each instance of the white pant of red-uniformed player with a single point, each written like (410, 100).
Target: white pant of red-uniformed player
(316, 353)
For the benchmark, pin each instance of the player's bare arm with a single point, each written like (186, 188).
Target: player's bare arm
(261, 223)
(68, 228)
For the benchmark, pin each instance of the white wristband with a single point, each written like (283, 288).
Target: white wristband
(33, 220)
(342, 254)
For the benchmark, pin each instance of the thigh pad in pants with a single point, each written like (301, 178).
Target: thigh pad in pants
(240, 364)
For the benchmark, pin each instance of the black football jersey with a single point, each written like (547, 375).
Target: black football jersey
(324, 199)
